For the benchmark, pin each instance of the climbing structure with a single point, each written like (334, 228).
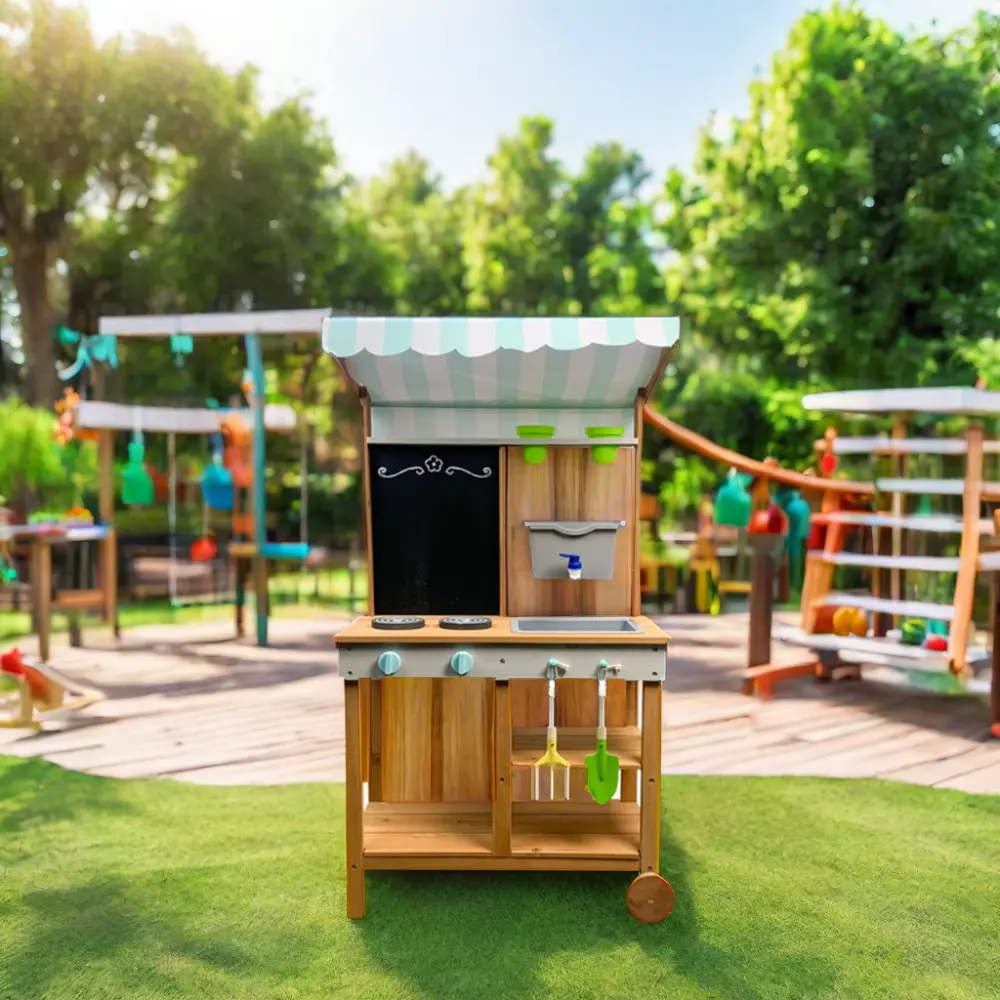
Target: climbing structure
(933, 642)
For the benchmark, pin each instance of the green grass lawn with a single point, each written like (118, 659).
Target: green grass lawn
(787, 889)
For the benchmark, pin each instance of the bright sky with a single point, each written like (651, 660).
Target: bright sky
(448, 76)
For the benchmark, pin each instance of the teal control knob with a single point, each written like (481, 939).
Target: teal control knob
(461, 663)
(389, 662)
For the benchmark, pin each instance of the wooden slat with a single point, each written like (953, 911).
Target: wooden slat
(79, 600)
(938, 524)
(883, 445)
(407, 722)
(426, 828)
(366, 485)
(965, 583)
(936, 487)
(629, 779)
(621, 739)
(353, 802)
(502, 478)
(503, 772)
(927, 564)
(908, 609)
(467, 740)
(375, 743)
(488, 863)
(365, 707)
(649, 828)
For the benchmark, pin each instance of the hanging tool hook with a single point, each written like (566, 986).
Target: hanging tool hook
(554, 669)
(604, 668)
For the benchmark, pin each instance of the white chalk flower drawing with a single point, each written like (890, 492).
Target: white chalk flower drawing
(433, 464)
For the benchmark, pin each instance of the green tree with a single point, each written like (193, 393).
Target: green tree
(512, 256)
(605, 232)
(419, 227)
(79, 121)
(847, 230)
(35, 470)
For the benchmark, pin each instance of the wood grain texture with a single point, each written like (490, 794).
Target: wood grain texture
(630, 782)
(353, 802)
(407, 729)
(635, 600)
(569, 486)
(467, 740)
(366, 486)
(502, 771)
(375, 742)
(360, 632)
(649, 821)
(965, 582)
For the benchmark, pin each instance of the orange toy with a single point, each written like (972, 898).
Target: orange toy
(850, 621)
(236, 440)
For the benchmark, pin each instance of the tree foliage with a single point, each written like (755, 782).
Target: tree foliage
(853, 217)
(845, 231)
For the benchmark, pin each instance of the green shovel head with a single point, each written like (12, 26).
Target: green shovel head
(602, 773)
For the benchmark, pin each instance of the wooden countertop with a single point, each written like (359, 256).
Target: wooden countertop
(360, 631)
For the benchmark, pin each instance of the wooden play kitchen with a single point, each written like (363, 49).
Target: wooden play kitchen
(503, 694)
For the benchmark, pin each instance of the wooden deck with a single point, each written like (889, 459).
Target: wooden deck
(182, 706)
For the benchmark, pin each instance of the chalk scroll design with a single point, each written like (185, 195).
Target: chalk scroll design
(434, 465)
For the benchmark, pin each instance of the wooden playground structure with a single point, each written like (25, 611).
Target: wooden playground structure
(503, 695)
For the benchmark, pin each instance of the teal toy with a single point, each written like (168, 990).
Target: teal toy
(732, 502)
(799, 515)
(137, 487)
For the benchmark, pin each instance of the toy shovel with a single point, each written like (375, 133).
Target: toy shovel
(602, 767)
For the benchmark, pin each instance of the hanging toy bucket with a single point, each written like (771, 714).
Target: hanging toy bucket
(137, 486)
(217, 487)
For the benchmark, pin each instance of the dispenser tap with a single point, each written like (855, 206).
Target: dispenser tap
(575, 566)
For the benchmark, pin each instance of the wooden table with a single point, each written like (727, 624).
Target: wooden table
(40, 540)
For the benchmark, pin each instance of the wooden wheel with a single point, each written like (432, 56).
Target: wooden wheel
(650, 898)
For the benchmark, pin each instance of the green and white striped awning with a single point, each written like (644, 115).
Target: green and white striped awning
(500, 362)
(521, 366)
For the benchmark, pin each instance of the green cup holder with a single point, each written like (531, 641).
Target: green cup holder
(534, 454)
(604, 454)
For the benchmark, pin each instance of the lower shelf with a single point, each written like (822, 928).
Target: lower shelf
(428, 828)
(557, 835)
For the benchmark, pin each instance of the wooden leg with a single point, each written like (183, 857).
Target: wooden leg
(649, 810)
(241, 597)
(502, 769)
(375, 743)
(995, 665)
(109, 582)
(365, 708)
(630, 779)
(41, 581)
(354, 804)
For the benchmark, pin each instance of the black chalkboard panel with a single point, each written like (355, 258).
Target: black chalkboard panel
(436, 529)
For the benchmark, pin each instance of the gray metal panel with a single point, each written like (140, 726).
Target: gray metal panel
(523, 662)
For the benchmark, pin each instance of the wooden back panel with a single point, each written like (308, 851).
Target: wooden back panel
(568, 486)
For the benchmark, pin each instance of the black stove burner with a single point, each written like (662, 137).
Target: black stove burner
(398, 622)
(465, 622)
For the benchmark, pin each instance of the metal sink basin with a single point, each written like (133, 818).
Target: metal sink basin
(567, 625)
